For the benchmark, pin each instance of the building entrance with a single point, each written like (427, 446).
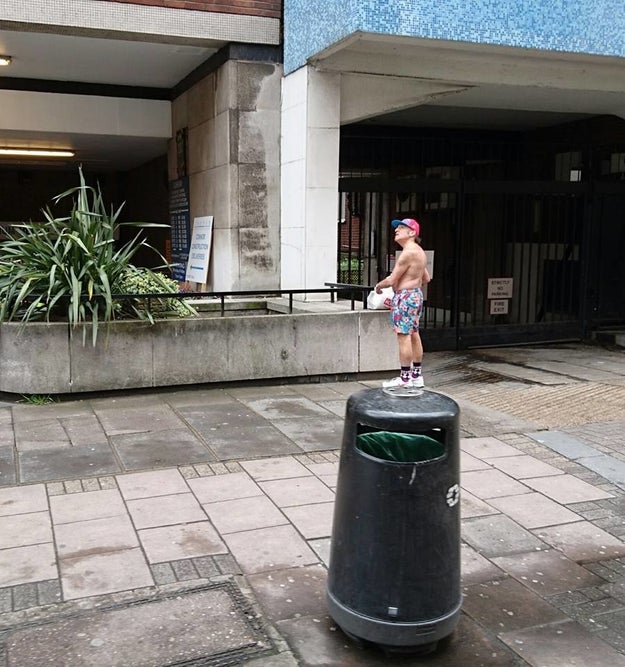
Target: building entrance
(514, 260)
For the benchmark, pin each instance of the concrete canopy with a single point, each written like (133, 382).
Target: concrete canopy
(442, 83)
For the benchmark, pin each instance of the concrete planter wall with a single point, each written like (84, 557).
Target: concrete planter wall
(43, 359)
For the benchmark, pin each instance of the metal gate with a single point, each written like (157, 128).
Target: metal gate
(506, 259)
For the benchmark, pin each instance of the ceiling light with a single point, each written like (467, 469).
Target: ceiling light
(5, 61)
(36, 152)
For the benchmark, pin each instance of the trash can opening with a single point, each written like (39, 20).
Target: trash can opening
(401, 447)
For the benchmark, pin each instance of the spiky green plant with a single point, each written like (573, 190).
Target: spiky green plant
(63, 268)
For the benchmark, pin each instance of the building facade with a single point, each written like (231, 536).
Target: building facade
(303, 129)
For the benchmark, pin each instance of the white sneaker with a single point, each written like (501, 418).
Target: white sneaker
(418, 381)
(397, 382)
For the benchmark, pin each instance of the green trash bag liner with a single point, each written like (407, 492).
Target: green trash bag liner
(399, 447)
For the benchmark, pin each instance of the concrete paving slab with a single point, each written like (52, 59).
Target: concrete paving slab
(274, 548)
(83, 430)
(84, 506)
(286, 407)
(96, 536)
(562, 644)
(292, 592)
(106, 572)
(608, 467)
(477, 569)
(318, 642)
(583, 542)
(505, 605)
(312, 521)
(498, 535)
(469, 462)
(322, 548)
(336, 407)
(71, 463)
(17, 530)
(487, 448)
(522, 467)
(533, 510)
(124, 417)
(297, 491)
(190, 540)
(275, 468)
(566, 489)
(40, 434)
(160, 449)
(224, 487)
(547, 572)
(238, 442)
(23, 499)
(319, 392)
(24, 412)
(151, 483)
(471, 506)
(22, 565)
(165, 510)
(564, 443)
(195, 397)
(487, 484)
(8, 469)
(254, 393)
(206, 420)
(233, 516)
(202, 627)
(313, 434)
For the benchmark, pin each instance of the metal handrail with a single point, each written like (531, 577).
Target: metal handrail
(333, 290)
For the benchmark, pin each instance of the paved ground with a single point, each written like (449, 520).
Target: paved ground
(192, 527)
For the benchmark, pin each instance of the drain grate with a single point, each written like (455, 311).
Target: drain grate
(214, 626)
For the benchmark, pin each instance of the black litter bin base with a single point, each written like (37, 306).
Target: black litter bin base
(392, 636)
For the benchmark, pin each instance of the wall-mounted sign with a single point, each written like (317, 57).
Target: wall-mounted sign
(200, 250)
(499, 288)
(499, 306)
(180, 226)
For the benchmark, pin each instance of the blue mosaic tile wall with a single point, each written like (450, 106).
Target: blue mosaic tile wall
(578, 26)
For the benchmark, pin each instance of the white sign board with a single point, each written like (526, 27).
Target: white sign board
(200, 250)
(499, 306)
(499, 288)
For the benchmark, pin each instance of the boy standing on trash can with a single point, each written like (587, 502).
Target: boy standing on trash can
(409, 274)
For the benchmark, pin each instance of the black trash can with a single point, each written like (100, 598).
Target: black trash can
(394, 571)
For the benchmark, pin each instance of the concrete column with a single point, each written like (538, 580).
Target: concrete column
(309, 178)
(233, 117)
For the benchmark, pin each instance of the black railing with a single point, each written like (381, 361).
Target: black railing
(334, 290)
(352, 291)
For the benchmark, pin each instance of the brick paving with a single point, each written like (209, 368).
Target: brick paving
(115, 501)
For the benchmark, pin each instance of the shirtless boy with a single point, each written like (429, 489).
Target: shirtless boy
(408, 276)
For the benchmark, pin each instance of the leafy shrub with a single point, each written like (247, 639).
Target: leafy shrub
(64, 267)
(145, 281)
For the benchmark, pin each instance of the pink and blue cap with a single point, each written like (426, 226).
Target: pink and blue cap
(408, 222)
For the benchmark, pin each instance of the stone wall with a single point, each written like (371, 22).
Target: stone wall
(42, 358)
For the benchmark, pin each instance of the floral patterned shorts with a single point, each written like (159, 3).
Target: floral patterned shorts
(406, 309)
